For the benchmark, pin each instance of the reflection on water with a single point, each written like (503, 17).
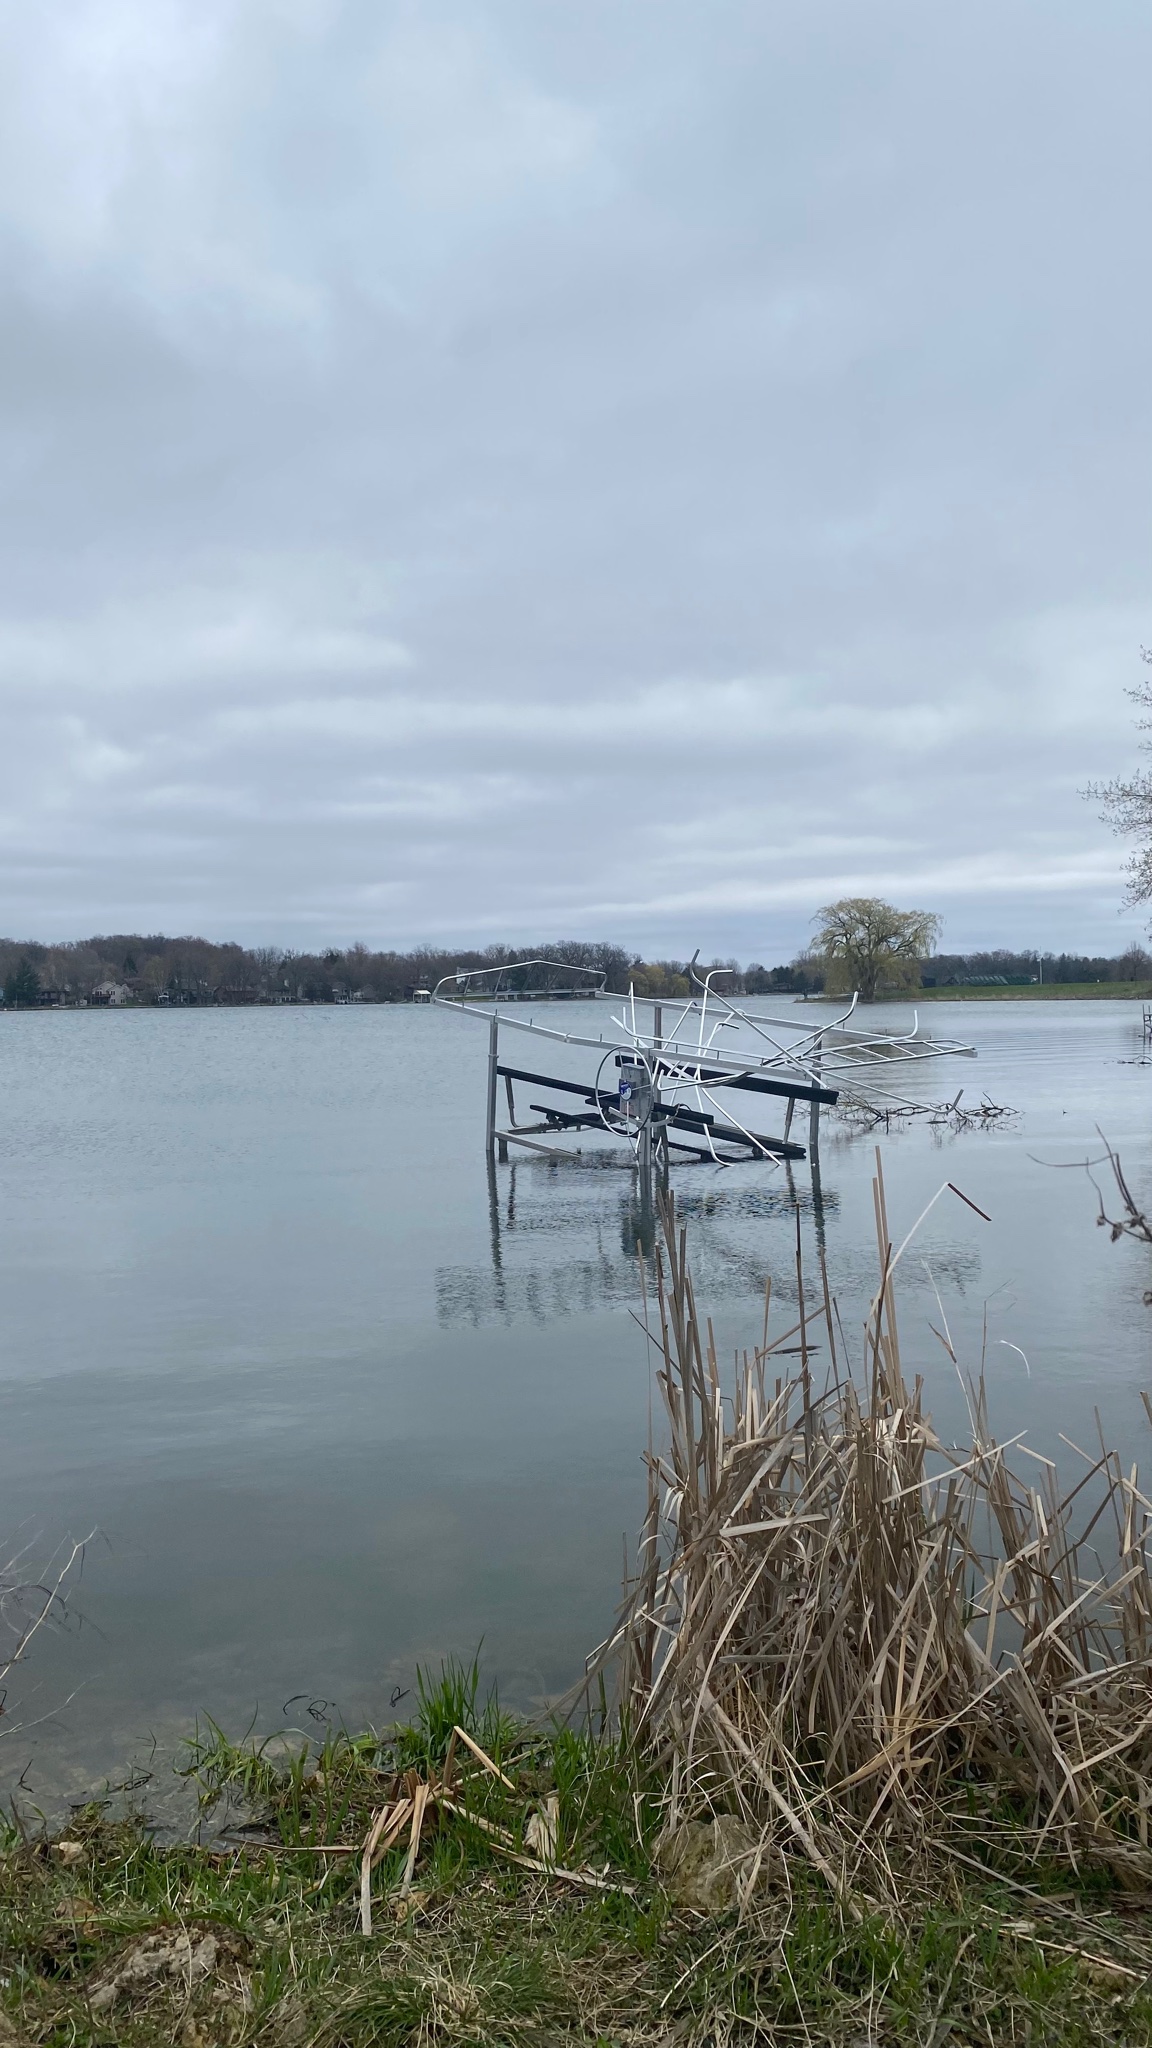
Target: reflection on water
(557, 1247)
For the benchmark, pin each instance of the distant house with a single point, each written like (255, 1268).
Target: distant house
(112, 993)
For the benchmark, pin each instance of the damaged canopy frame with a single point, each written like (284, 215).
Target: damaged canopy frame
(660, 1063)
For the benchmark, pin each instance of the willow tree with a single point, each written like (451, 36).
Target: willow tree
(867, 945)
(1128, 804)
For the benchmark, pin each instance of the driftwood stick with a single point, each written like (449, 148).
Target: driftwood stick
(483, 1757)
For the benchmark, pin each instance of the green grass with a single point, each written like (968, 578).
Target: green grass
(495, 1954)
(1052, 992)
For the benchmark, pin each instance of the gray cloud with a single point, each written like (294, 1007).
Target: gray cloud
(510, 468)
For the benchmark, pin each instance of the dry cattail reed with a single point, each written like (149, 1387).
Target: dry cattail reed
(869, 1642)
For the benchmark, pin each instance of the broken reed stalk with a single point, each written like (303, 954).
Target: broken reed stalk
(868, 1641)
(424, 1796)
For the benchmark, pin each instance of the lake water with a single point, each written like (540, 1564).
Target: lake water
(335, 1402)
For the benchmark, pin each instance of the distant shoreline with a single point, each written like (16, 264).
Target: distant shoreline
(1058, 992)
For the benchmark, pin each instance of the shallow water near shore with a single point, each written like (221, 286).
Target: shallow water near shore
(336, 1400)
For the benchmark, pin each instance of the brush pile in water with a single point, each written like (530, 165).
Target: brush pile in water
(867, 1642)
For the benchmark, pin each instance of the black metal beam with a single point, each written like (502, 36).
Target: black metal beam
(584, 1122)
(566, 1087)
(715, 1078)
(712, 1076)
(684, 1119)
(678, 1114)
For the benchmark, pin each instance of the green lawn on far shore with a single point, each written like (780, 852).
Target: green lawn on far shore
(1053, 992)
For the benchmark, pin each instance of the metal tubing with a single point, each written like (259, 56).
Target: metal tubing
(493, 1061)
(699, 1077)
(644, 1153)
(530, 1145)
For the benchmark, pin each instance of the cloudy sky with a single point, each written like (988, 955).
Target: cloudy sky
(637, 468)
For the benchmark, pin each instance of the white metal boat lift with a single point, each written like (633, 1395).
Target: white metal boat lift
(660, 1064)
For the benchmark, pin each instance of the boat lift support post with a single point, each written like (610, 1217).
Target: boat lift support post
(814, 1111)
(496, 1142)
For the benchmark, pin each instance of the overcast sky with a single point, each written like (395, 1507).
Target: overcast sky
(511, 468)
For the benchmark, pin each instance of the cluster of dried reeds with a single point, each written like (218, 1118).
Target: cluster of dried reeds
(416, 1800)
(870, 1642)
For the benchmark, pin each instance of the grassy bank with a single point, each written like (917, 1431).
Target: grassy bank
(109, 1937)
(1054, 992)
(1057, 992)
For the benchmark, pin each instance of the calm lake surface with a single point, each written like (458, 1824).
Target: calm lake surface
(335, 1404)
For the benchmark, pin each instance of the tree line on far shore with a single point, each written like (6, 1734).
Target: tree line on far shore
(131, 967)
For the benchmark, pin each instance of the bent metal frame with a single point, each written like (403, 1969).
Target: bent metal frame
(661, 1062)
